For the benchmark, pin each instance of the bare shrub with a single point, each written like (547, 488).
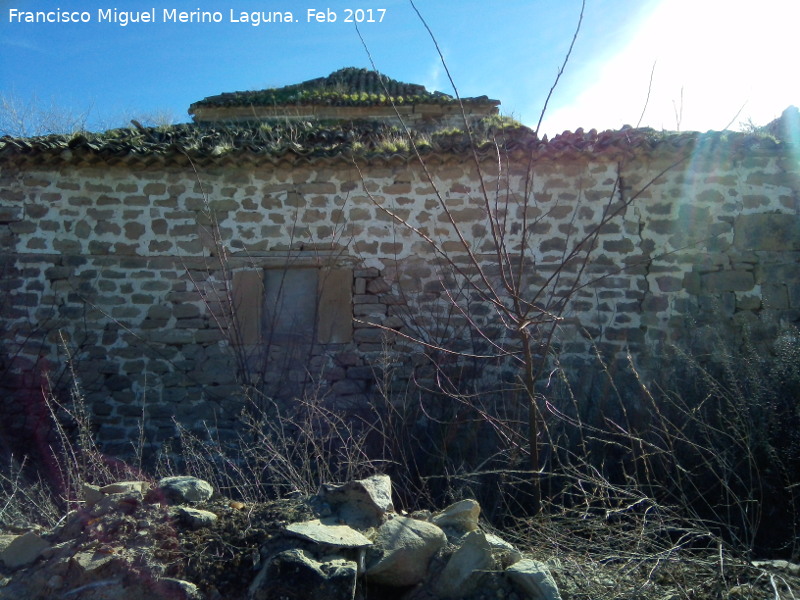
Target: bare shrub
(21, 117)
(714, 445)
(505, 304)
(72, 457)
(26, 499)
(282, 451)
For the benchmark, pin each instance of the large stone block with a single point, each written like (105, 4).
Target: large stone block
(403, 549)
(727, 281)
(23, 550)
(771, 232)
(775, 296)
(295, 574)
(466, 567)
(533, 578)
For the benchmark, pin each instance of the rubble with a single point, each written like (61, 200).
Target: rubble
(178, 540)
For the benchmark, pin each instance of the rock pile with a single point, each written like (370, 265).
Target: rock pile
(175, 541)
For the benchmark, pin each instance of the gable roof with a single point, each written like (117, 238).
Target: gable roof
(346, 87)
(345, 95)
(358, 119)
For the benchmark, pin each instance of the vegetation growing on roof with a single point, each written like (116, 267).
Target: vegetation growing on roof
(325, 139)
(346, 87)
(308, 138)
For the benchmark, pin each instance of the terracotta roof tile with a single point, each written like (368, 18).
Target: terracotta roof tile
(317, 141)
(346, 87)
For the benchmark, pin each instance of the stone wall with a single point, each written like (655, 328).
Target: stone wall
(149, 280)
(416, 116)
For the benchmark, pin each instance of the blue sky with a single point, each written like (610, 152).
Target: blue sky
(713, 62)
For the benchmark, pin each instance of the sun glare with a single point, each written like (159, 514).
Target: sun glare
(714, 65)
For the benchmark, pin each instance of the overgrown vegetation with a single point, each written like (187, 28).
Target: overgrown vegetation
(33, 117)
(683, 493)
(346, 87)
(630, 475)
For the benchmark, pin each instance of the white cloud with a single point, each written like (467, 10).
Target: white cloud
(435, 79)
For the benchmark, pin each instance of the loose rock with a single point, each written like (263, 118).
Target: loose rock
(329, 533)
(23, 550)
(534, 579)
(125, 503)
(466, 566)
(124, 544)
(185, 488)
(297, 575)
(91, 494)
(124, 487)
(362, 503)
(178, 589)
(504, 552)
(195, 518)
(461, 516)
(403, 549)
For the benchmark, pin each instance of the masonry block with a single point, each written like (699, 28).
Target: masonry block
(727, 281)
(151, 252)
(770, 232)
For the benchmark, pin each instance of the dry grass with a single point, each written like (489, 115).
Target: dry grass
(628, 513)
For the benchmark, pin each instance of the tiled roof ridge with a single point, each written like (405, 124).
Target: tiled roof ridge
(210, 142)
(350, 86)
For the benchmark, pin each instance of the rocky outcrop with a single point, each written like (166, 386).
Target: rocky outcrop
(133, 541)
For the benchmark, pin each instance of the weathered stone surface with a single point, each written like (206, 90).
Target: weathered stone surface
(124, 503)
(297, 575)
(184, 488)
(767, 231)
(94, 564)
(462, 515)
(378, 286)
(362, 503)
(330, 533)
(779, 565)
(91, 494)
(533, 578)
(124, 487)
(23, 550)
(466, 566)
(178, 589)
(5, 540)
(195, 518)
(403, 549)
(505, 553)
(728, 281)
(10, 214)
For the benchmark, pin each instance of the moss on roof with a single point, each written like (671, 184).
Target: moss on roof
(317, 138)
(346, 87)
(218, 143)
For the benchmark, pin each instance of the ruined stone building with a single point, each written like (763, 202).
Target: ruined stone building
(303, 240)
